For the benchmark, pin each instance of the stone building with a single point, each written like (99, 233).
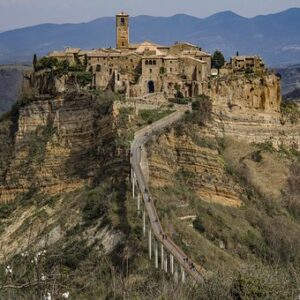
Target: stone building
(248, 64)
(146, 68)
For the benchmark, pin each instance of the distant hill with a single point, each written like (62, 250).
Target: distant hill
(276, 36)
(10, 85)
(290, 80)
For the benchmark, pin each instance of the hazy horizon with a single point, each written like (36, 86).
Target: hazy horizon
(18, 13)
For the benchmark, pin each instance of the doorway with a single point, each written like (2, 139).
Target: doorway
(151, 88)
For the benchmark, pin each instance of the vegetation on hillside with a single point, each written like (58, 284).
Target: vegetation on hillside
(290, 112)
(252, 249)
(63, 67)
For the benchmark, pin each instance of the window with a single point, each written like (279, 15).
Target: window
(131, 60)
(123, 44)
(98, 68)
(150, 62)
(110, 71)
(147, 62)
(122, 21)
(150, 70)
(171, 70)
(154, 62)
(118, 77)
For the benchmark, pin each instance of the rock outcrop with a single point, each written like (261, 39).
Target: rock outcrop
(248, 107)
(176, 154)
(59, 144)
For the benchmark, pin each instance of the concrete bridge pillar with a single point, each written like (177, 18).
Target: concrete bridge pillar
(176, 274)
(139, 203)
(144, 222)
(162, 256)
(156, 254)
(182, 275)
(172, 264)
(150, 244)
(166, 263)
(133, 185)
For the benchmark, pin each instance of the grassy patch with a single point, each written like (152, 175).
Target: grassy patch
(290, 111)
(151, 116)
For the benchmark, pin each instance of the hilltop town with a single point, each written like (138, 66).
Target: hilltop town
(140, 69)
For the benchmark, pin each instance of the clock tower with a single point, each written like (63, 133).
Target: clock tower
(122, 27)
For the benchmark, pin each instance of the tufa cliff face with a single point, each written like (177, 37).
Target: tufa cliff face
(248, 108)
(185, 153)
(251, 94)
(57, 144)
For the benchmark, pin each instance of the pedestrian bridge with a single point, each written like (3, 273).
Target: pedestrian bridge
(162, 249)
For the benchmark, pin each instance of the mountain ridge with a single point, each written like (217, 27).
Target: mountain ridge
(274, 36)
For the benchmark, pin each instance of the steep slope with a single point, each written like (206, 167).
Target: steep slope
(274, 36)
(67, 222)
(231, 206)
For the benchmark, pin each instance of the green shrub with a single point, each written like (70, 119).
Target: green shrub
(267, 146)
(6, 209)
(182, 101)
(75, 253)
(198, 225)
(258, 282)
(83, 78)
(46, 63)
(151, 116)
(62, 68)
(290, 110)
(202, 110)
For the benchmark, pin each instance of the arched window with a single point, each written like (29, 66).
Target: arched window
(122, 21)
(150, 62)
(154, 62)
(147, 62)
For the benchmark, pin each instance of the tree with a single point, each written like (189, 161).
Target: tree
(218, 60)
(202, 110)
(34, 61)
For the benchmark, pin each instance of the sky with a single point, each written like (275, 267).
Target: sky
(21, 13)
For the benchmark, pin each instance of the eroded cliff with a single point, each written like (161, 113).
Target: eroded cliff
(57, 144)
(248, 107)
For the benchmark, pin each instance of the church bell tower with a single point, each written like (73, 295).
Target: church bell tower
(122, 27)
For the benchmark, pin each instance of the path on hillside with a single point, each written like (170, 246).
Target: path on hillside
(141, 137)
